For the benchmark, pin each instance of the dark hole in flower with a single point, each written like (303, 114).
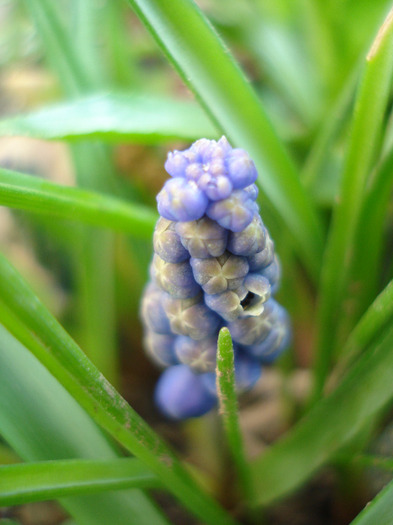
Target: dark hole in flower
(247, 300)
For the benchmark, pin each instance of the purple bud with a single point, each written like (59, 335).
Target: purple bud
(252, 330)
(218, 274)
(198, 355)
(202, 238)
(153, 312)
(180, 394)
(181, 200)
(252, 191)
(263, 258)
(226, 304)
(176, 164)
(259, 291)
(191, 317)
(272, 273)
(167, 243)
(234, 213)
(161, 348)
(248, 241)
(176, 279)
(241, 169)
(276, 341)
(215, 187)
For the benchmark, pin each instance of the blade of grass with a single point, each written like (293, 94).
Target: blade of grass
(57, 351)
(206, 66)
(121, 60)
(26, 192)
(362, 148)
(115, 117)
(79, 71)
(225, 373)
(282, 58)
(23, 483)
(330, 127)
(61, 53)
(367, 268)
(41, 421)
(378, 315)
(332, 423)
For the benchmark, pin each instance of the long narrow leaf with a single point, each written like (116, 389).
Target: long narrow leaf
(42, 422)
(114, 117)
(363, 145)
(79, 71)
(66, 361)
(46, 480)
(26, 192)
(207, 67)
(378, 315)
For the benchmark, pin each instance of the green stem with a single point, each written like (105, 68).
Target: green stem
(228, 406)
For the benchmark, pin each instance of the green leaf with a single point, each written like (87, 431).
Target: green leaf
(30, 193)
(209, 70)
(60, 50)
(225, 372)
(367, 267)
(332, 423)
(79, 71)
(46, 480)
(41, 421)
(57, 351)
(115, 117)
(373, 322)
(362, 149)
(379, 510)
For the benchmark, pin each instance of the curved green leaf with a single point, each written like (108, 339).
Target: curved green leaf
(373, 322)
(41, 421)
(27, 192)
(362, 150)
(46, 480)
(206, 66)
(55, 349)
(115, 117)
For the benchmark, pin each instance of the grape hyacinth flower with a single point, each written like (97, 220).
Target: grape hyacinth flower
(214, 265)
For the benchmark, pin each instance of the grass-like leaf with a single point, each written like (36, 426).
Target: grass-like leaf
(228, 406)
(208, 69)
(30, 193)
(332, 423)
(373, 322)
(42, 422)
(61, 355)
(115, 117)
(362, 150)
(79, 70)
(46, 480)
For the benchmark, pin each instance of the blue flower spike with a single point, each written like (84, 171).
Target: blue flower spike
(214, 265)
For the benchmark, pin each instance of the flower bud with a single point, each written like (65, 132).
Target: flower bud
(214, 266)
